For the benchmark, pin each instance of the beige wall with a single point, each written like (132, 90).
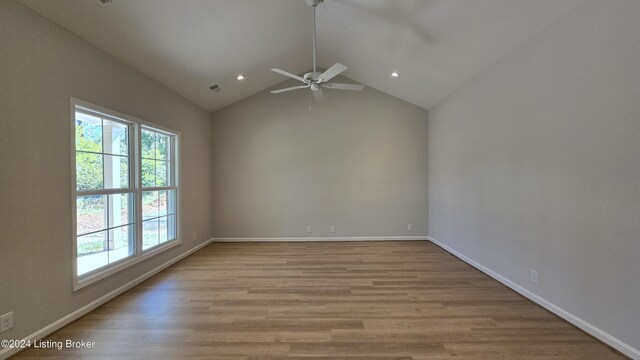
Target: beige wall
(41, 67)
(356, 161)
(535, 164)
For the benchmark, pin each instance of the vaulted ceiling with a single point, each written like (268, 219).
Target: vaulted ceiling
(188, 45)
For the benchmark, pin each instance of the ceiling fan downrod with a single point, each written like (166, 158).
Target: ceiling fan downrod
(314, 80)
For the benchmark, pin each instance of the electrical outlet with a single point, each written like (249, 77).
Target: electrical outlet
(332, 228)
(534, 276)
(308, 229)
(195, 236)
(6, 322)
(409, 227)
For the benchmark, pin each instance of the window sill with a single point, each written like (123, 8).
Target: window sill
(84, 281)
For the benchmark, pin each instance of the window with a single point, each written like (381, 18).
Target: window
(125, 191)
(159, 194)
(105, 225)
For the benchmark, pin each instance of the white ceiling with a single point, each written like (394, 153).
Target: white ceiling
(188, 45)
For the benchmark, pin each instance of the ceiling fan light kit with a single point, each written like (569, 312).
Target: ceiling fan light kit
(315, 80)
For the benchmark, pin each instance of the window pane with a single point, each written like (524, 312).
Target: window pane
(115, 138)
(148, 173)
(116, 172)
(166, 202)
(162, 141)
(162, 230)
(124, 173)
(90, 213)
(167, 228)
(88, 133)
(148, 144)
(89, 171)
(161, 173)
(149, 233)
(92, 252)
(171, 205)
(121, 243)
(149, 204)
(171, 227)
(163, 203)
(120, 209)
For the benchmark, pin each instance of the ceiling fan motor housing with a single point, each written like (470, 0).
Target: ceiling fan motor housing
(311, 76)
(314, 3)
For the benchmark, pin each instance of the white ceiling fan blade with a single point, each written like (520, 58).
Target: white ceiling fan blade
(339, 86)
(318, 94)
(285, 73)
(289, 89)
(331, 72)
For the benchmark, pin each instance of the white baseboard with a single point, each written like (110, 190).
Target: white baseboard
(324, 238)
(585, 326)
(6, 353)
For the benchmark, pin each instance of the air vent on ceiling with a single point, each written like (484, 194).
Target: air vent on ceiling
(215, 87)
(104, 2)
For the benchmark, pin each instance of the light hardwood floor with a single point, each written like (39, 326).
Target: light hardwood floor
(337, 300)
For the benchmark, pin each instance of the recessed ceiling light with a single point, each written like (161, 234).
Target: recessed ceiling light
(394, 74)
(240, 77)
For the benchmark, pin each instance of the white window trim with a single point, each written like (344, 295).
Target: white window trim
(92, 277)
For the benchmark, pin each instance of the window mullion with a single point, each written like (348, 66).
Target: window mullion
(133, 205)
(138, 186)
(172, 162)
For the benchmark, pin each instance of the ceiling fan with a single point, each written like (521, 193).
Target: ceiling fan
(315, 80)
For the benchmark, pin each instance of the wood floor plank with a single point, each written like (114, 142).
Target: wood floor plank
(327, 300)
